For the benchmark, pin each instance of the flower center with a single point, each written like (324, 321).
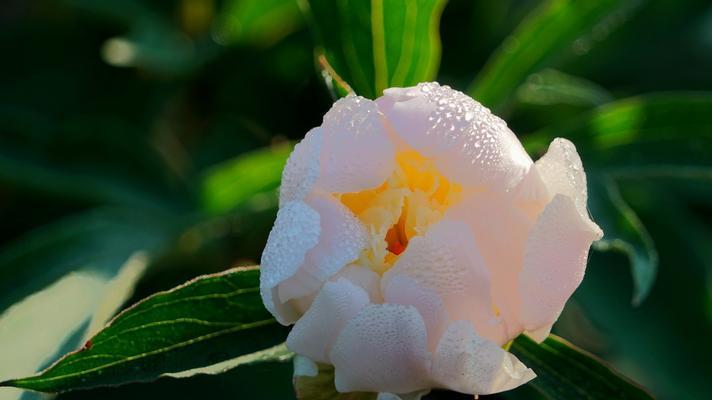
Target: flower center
(414, 197)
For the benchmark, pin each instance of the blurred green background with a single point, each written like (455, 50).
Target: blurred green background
(141, 143)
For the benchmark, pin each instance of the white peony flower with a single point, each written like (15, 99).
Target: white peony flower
(416, 237)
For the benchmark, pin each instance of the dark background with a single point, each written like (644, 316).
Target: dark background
(86, 123)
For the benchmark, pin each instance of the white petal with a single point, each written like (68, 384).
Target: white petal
(405, 290)
(467, 363)
(383, 349)
(562, 172)
(315, 332)
(447, 260)
(407, 396)
(555, 261)
(356, 153)
(365, 278)
(295, 231)
(302, 168)
(303, 366)
(468, 143)
(531, 194)
(540, 335)
(501, 230)
(341, 240)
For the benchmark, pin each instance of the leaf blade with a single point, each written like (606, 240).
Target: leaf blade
(624, 232)
(543, 36)
(169, 332)
(378, 44)
(566, 372)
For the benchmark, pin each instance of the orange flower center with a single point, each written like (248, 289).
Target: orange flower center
(414, 197)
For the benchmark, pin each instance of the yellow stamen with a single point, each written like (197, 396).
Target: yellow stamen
(414, 197)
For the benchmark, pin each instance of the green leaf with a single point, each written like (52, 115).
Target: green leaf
(648, 124)
(205, 321)
(567, 372)
(551, 87)
(259, 22)
(278, 353)
(546, 34)
(233, 183)
(623, 232)
(659, 136)
(377, 44)
(62, 282)
(97, 242)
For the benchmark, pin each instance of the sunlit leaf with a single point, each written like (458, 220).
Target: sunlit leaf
(567, 372)
(550, 87)
(681, 119)
(231, 184)
(547, 34)
(62, 282)
(45, 325)
(278, 353)
(208, 320)
(256, 21)
(97, 242)
(378, 44)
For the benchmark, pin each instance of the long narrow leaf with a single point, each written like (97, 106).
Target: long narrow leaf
(545, 35)
(208, 320)
(566, 372)
(376, 44)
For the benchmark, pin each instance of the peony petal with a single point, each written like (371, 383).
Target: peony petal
(554, 262)
(407, 396)
(540, 335)
(531, 194)
(302, 168)
(402, 289)
(468, 363)
(315, 332)
(295, 231)
(365, 278)
(341, 240)
(500, 230)
(383, 349)
(303, 366)
(356, 153)
(447, 261)
(468, 143)
(562, 172)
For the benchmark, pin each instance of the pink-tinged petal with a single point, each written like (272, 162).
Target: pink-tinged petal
(531, 194)
(315, 332)
(562, 172)
(382, 349)
(357, 153)
(500, 231)
(405, 290)
(554, 262)
(302, 168)
(468, 143)
(341, 240)
(468, 363)
(364, 278)
(540, 335)
(295, 231)
(447, 261)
